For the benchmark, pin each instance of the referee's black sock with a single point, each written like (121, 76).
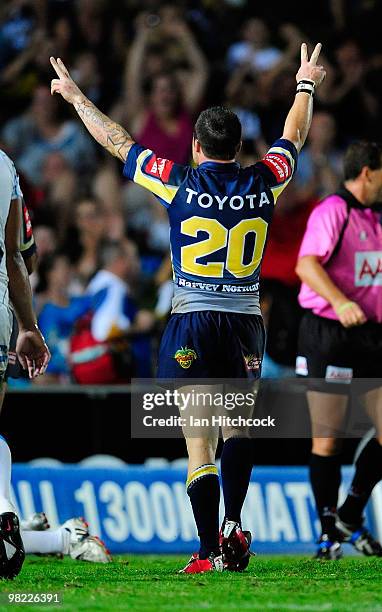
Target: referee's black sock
(236, 467)
(203, 489)
(325, 478)
(368, 472)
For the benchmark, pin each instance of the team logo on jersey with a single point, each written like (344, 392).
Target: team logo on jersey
(278, 165)
(185, 357)
(159, 167)
(252, 362)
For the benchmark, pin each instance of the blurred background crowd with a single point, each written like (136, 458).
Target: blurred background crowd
(102, 284)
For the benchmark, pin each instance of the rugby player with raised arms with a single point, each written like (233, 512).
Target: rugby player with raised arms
(219, 217)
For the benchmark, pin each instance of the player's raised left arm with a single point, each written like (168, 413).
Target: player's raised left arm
(106, 132)
(309, 76)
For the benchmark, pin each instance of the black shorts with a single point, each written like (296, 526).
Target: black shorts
(210, 344)
(14, 368)
(329, 351)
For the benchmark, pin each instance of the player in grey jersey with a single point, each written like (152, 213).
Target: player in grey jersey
(16, 239)
(31, 348)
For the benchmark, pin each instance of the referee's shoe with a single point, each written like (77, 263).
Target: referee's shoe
(360, 538)
(329, 547)
(12, 552)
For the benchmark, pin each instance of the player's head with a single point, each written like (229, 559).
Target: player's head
(217, 135)
(363, 166)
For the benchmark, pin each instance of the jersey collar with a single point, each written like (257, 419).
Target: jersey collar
(352, 201)
(219, 167)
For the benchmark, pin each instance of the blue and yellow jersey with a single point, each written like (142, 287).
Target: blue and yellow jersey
(219, 216)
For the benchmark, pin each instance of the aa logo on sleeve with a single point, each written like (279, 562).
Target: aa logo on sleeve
(159, 167)
(278, 165)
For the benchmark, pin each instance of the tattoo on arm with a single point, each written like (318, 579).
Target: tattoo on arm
(105, 131)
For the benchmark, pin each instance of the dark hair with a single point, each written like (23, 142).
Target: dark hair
(360, 154)
(170, 76)
(218, 130)
(45, 266)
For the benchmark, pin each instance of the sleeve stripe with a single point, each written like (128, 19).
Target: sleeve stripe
(284, 152)
(166, 192)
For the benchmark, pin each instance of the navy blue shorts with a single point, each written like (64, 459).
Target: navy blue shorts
(211, 344)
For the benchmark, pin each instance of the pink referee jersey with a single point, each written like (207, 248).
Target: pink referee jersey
(357, 266)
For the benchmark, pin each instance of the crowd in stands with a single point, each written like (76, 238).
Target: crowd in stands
(103, 277)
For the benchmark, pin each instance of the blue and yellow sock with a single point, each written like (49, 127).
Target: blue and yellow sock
(203, 489)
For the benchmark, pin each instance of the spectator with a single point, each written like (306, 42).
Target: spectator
(85, 70)
(46, 242)
(84, 239)
(39, 131)
(162, 120)
(320, 162)
(108, 347)
(58, 313)
(347, 92)
(16, 30)
(45, 239)
(242, 96)
(107, 188)
(254, 48)
(59, 184)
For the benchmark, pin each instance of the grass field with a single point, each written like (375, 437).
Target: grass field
(150, 584)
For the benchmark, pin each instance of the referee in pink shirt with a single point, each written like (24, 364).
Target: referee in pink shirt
(340, 339)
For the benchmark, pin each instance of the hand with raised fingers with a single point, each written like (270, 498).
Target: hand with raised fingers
(309, 69)
(64, 85)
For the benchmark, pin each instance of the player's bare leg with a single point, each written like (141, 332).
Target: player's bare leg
(203, 486)
(201, 451)
(367, 474)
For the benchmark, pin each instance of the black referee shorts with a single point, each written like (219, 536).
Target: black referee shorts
(342, 357)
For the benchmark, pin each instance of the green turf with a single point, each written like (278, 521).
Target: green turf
(150, 584)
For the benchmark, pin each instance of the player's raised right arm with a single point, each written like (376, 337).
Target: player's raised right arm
(308, 77)
(106, 132)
